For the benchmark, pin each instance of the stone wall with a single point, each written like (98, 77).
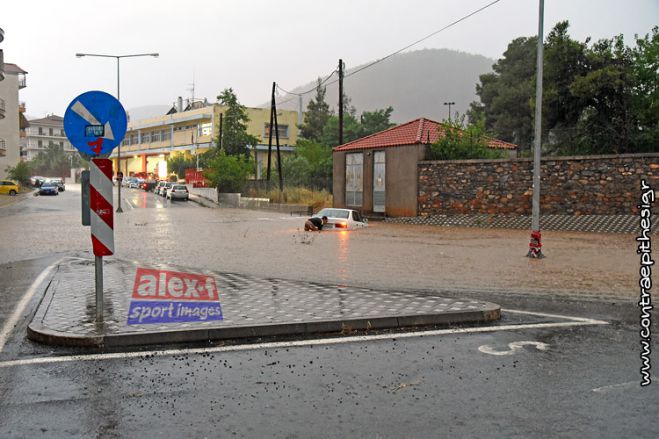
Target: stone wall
(584, 185)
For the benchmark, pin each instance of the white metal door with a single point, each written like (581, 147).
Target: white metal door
(378, 181)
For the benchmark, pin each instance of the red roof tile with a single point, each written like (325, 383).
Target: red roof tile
(418, 131)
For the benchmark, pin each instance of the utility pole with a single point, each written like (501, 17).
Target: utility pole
(272, 115)
(340, 102)
(299, 112)
(535, 246)
(281, 176)
(449, 110)
(220, 133)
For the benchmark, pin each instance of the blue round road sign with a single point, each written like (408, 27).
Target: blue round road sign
(95, 123)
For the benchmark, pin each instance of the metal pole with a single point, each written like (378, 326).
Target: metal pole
(119, 209)
(340, 102)
(98, 264)
(535, 222)
(272, 124)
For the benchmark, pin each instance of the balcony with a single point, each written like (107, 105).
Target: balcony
(3, 148)
(22, 80)
(2, 108)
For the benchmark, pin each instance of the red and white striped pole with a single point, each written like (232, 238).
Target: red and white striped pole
(102, 221)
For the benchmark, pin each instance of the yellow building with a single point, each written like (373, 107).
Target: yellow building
(191, 131)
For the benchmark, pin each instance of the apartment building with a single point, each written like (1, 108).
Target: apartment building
(191, 130)
(12, 79)
(41, 133)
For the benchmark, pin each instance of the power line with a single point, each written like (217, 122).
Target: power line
(310, 90)
(448, 26)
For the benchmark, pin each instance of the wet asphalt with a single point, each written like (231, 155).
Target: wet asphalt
(576, 381)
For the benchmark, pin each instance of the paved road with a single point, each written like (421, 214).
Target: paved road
(554, 376)
(579, 379)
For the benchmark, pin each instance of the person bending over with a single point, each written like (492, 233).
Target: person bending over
(315, 223)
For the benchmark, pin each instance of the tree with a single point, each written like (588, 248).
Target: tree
(351, 130)
(229, 172)
(316, 116)
(645, 93)
(54, 162)
(597, 99)
(460, 142)
(20, 173)
(506, 94)
(178, 163)
(234, 126)
(376, 121)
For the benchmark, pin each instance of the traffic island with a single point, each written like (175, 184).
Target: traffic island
(146, 305)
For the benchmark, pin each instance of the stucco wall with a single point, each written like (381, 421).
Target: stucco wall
(586, 185)
(9, 125)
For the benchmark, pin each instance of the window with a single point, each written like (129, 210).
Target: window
(146, 137)
(62, 133)
(40, 143)
(354, 179)
(40, 131)
(165, 135)
(61, 144)
(206, 129)
(282, 130)
(50, 131)
(133, 139)
(155, 136)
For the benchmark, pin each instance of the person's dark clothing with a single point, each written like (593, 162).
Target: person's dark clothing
(318, 222)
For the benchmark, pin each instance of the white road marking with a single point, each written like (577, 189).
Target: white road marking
(576, 321)
(129, 203)
(558, 316)
(22, 304)
(605, 389)
(514, 346)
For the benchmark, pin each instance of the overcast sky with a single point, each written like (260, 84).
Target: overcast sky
(249, 44)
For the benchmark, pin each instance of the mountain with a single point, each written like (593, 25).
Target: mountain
(415, 83)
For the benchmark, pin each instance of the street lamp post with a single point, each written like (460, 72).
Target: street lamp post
(449, 110)
(118, 57)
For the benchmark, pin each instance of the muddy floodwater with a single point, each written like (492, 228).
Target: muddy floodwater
(392, 256)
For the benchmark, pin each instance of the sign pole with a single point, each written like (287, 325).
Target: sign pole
(98, 265)
(95, 123)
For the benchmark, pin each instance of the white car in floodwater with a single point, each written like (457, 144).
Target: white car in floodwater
(342, 219)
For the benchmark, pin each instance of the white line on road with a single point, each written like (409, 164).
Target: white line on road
(577, 321)
(605, 389)
(22, 304)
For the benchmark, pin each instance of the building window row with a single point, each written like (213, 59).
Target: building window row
(147, 137)
(42, 131)
(281, 129)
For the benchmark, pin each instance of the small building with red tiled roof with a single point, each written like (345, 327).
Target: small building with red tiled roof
(378, 173)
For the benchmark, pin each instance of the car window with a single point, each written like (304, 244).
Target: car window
(357, 217)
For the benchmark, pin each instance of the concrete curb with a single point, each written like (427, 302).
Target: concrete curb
(80, 330)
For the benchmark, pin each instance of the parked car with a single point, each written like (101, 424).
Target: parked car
(156, 188)
(178, 192)
(48, 188)
(163, 188)
(37, 180)
(59, 182)
(342, 219)
(149, 185)
(135, 183)
(9, 187)
(127, 181)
